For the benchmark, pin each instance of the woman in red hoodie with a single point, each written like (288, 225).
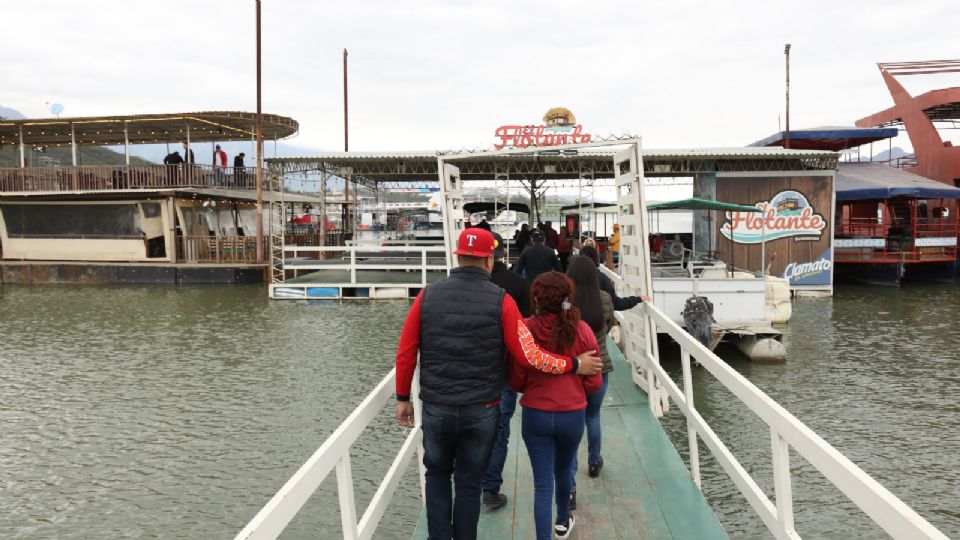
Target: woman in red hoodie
(553, 405)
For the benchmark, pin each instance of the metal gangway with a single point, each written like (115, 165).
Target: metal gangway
(638, 338)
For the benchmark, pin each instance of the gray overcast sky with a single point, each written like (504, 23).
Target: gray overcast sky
(445, 74)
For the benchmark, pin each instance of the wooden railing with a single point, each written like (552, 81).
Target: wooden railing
(122, 177)
(224, 249)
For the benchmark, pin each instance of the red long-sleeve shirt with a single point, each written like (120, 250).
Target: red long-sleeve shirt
(518, 339)
(568, 392)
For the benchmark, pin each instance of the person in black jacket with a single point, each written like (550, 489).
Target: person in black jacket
(519, 289)
(537, 258)
(619, 304)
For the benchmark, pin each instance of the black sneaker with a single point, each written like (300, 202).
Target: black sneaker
(594, 470)
(493, 501)
(573, 500)
(563, 530)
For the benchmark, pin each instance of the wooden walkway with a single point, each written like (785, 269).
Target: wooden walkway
(644, 490)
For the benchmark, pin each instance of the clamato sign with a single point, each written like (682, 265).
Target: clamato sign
(560, 127)
(787, 214)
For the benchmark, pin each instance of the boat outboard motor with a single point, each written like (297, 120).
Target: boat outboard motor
(698, 317)
(672, 250)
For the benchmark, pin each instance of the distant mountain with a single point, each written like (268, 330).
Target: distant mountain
(87, 155)
(887, 155)
(10, 114)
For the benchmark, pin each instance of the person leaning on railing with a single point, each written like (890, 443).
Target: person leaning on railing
(465, 329)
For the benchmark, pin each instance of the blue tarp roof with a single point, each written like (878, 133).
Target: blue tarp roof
(828, 138)
(864, 181)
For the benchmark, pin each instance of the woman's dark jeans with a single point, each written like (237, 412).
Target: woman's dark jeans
(456, 441)
(552, 439)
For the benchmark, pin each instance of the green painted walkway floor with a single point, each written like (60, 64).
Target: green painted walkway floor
(644, 490)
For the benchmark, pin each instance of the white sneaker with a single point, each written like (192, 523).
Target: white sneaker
(561, 531)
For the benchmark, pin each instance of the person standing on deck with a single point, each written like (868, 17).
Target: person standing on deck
(519, 289)
(239, 170)
(553, 407)
(188, 154)
(219, 165)
(615, 245)
(537, 258)
(463, 328)
(596, 309)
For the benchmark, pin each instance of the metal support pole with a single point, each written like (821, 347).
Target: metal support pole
(786, 51)
(23, 162)
(73, 145)
(259, 178)
(126, 143)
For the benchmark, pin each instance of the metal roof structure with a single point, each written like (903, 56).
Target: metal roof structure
(371, 168)
(208, 126)
(869, 181)
(701, 204)
(828, 138)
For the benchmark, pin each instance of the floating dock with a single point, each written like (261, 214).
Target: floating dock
(644, 490)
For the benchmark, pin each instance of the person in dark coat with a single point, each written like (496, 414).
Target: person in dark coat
(522, 238)
(553, 237)
(537, 258)
(239, 170)
(619, 304)
(188, 154)
(519, 289)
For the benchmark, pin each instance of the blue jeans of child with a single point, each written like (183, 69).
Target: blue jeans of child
(456, 441)
(552, 439)
(493, 478)
(594, 439)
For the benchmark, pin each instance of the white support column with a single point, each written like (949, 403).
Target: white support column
(23, 162)
(73, 145)
(781, 486)
(691, 430)
(126, 143)
(348, 505)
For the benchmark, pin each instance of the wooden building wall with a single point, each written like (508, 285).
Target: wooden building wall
(818, 190)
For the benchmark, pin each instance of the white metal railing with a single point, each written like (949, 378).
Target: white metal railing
(335, 453)
(359, 257)
(786, 432)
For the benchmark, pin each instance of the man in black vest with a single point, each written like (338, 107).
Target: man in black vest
(538, 258)
(465, 329)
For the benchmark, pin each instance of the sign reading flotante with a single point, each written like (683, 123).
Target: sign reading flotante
(560, 127)
(786, 214)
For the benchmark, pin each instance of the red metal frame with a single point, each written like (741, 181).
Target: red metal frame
(898, 232)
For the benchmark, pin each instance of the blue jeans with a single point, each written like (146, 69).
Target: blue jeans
(594, 439)
(493, 478)
(552, 439)
(456, 441)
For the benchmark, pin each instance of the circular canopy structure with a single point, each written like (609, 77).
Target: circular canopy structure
(145, 128)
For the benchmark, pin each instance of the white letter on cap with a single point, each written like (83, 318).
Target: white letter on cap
(470, 239)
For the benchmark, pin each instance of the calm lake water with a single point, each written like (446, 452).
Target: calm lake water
(179, 411)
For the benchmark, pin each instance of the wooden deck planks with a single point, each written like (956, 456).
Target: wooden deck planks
(644, 490)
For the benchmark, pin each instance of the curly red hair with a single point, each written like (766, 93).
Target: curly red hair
(548, 293)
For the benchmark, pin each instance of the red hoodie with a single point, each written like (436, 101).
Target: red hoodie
(555, 393)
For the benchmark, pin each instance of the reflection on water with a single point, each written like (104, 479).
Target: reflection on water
(155, 411)
(131, 411)
(873, 371)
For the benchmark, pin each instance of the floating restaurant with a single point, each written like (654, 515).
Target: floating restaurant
(181, 222)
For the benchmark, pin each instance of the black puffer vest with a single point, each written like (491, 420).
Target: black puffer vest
(461, 341)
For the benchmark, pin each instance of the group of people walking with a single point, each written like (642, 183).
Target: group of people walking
(486, 335)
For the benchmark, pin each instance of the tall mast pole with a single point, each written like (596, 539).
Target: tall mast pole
(786, 51)
(259, 151)
(346, 146)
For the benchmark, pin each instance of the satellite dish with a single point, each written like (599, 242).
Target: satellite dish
(55, 108)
